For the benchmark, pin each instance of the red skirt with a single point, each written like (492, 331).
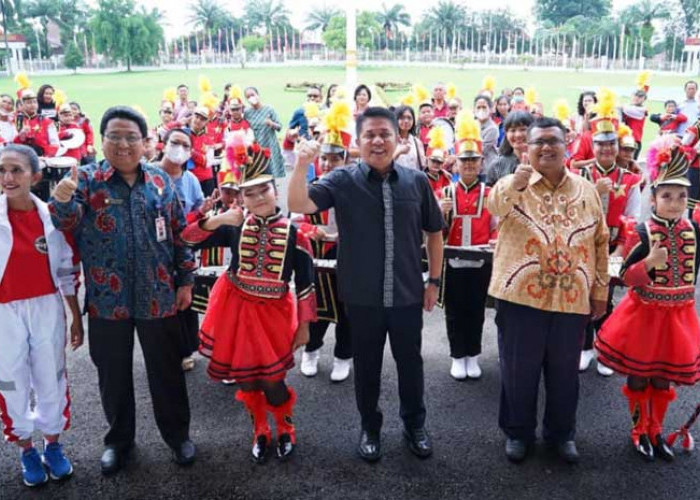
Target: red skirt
(647, 340)
(245, 337)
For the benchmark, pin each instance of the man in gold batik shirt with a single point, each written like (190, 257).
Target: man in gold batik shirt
(549, 277)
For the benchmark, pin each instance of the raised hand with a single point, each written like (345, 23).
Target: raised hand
(657, 257)
(63, 192)
(307, 151)
(522, 174)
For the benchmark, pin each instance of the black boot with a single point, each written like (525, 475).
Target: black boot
(645, 448)
(662, 450)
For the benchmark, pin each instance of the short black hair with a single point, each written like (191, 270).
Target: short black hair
(124, 113)
(182, 85)
(546, 122)
(670, 101)
(514, 119)
(74, 104)
(520, 89)
(376, 112)
(250, 87)
(425, 105)
(172, 131)
(30, 155)
(485, 98)
(8, 95)
(361, 87)
(689, 82)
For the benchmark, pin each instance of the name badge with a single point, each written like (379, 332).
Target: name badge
(161, 233)
(114, 201)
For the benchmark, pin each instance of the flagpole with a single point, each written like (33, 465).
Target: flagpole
(350, 46)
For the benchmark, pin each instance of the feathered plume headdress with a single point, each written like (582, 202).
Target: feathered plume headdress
(468, 135)
(489, 84)
(642, 81)
(667, 163)
(204, 84)
(337, 139)
(451, 91)
(530, 96)
(170, 95)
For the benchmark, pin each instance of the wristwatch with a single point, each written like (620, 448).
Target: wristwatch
(435, 281)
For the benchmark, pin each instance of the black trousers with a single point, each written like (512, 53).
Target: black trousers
(343, 342)
(369, 327)
(208, 186)
(189, 331)
(111, 350)
(594, 326)
(465, 305)
(531, 341)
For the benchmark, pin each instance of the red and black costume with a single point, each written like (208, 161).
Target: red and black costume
(330, 309)
(38, 134)
(201, 141)
(252, 317)
(65, 132)
(438, 180)
(466, 282)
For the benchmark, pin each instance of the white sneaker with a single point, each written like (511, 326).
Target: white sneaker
(341, 369)
(473, 368)
(604, 370)
(586, 358)
(309, 363)
(459, 368)
(228, 381)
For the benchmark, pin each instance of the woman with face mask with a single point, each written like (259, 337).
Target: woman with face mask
(489, 130)
(265, 124)
(176, 152)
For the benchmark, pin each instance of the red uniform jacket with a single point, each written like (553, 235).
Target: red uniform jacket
(471, 201)
(37, 133)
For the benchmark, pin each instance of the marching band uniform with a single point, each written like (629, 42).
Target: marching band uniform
(465, 282)
(330, 308)
(654, 331)
(623, 202)
(437, 152)
(40, 131)
(252, 318)
(201, 142)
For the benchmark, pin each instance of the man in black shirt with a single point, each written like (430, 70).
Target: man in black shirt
(382, 210)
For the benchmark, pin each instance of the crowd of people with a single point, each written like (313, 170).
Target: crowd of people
(393, 209)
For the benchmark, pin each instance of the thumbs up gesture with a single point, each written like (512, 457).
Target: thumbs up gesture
(63, 192)
(657, 257)
(521, 176)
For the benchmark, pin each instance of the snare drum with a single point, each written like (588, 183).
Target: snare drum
(204, 279)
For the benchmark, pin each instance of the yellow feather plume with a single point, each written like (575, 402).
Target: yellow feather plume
(606, 103)
(421, 93)
(409, 100)
(451, 91)
(311, 110)
(209, 101)
(236, 92)
(204, 84)
(467, 127)
(338, 117)
(60, 98)
(643, 79)
(489, 84)
(562, 112)
(437, 138)
(170, 95)
(341, 93)
(530, 96)
(623, 131)
(23, 80)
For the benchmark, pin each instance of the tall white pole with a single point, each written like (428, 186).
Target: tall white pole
(350, 46)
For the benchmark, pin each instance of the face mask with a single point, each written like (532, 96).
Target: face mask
(518, 98)
(176, 154)
(253, 100)
(482, 114)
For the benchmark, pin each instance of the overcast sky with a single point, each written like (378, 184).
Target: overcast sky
(177, 13)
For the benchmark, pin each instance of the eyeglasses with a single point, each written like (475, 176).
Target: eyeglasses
(130, 139)
(313, 96)
(553, 142)
(166, 111)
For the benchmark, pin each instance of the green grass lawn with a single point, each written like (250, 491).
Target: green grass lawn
(96, 93)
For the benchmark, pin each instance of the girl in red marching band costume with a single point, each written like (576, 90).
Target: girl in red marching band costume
(653, 336)
(253, 325)
(468, 223)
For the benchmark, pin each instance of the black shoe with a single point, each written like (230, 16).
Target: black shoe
(260, 449)
(567, 452)
(185, 453)
(662, 450)
(285, 447)
(370, 448)
(112, 460)
(419, 442)
(645, 448)
(516, 450)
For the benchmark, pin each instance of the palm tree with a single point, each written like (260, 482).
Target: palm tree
(208, 15)
(643, 14)
(390, 18)
(269, 14)
(320, 17)
(447, 17)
